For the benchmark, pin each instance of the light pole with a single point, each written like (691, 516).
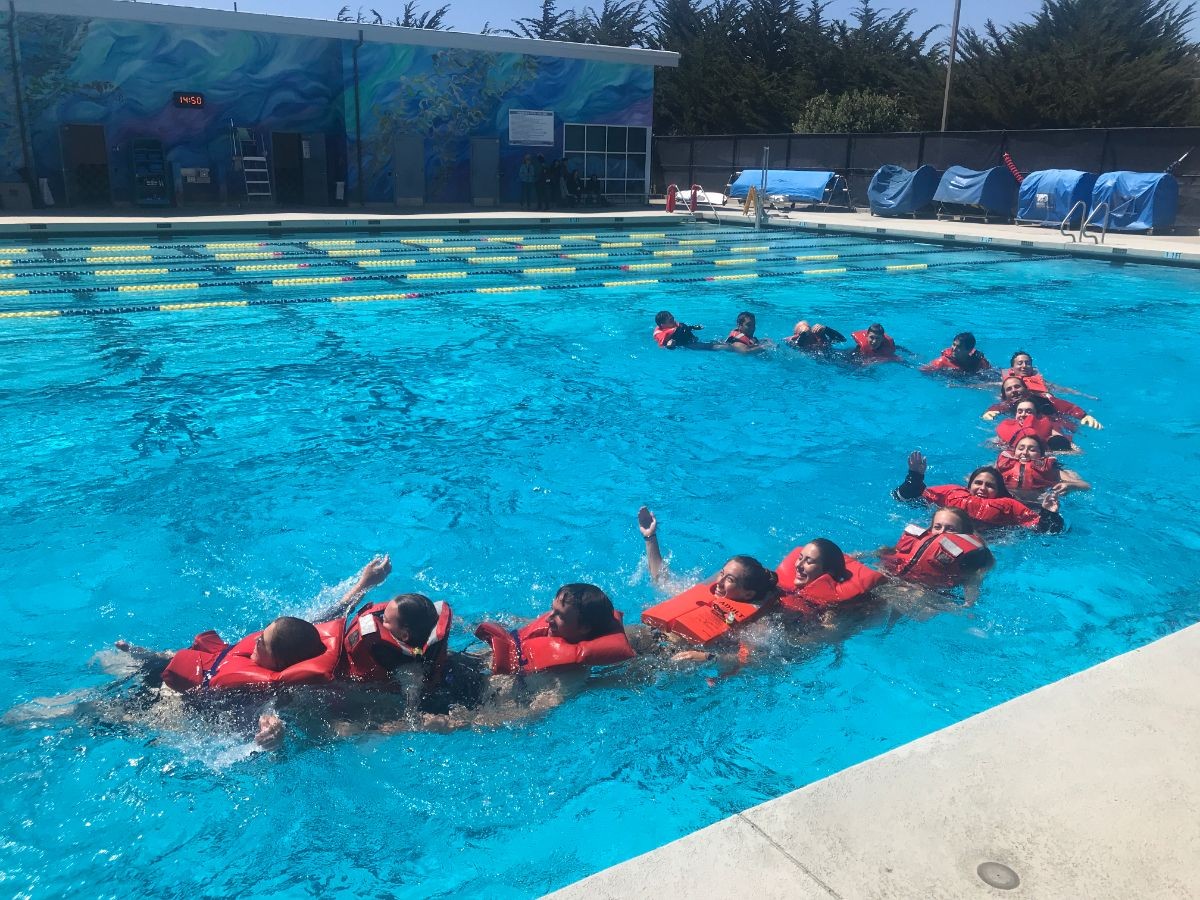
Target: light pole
(950, 61)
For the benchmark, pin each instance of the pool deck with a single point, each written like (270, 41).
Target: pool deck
(1181, 249)
(1088, 787)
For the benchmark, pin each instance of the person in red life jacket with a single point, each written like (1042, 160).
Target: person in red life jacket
(874, 345)
(710, 613)
(1013, 390)
(816, 578)
(1054, 432)
(1028, 471)
(947, 554)
(1022, 366)
(581, 630)
(288, 651)
(671, 334)
(742, 339)
(816, 338)
(960, 358)
(985, 498)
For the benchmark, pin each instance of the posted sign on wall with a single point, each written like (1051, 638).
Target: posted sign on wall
(531, 127)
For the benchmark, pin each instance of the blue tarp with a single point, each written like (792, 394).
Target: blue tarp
(992, 190)
(1138, 201)
(1047, 196)
(895, 191)
(808, 186)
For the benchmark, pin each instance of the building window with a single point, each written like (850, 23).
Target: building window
(615, 154)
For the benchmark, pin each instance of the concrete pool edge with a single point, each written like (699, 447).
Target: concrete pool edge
(1171, 250)
(1085, 787)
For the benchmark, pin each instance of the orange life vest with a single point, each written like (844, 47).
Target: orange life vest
(886, 350)
(700, 615)
(1032, 475)
(367, 632)
(824, 591)
(532, 648)
(211, 663)
(987, 511)
(934, 560)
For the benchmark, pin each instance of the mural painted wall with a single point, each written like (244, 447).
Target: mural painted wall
(122, 75)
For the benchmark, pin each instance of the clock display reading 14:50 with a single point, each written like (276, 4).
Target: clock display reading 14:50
(188, 99)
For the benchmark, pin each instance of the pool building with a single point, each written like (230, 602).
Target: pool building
(106, 103)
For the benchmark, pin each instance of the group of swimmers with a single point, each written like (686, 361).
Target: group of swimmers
(399, 649)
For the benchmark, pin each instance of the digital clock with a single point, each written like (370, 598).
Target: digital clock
(188, 99)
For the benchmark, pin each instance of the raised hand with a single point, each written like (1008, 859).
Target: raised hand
(917, 462)
(647, 524)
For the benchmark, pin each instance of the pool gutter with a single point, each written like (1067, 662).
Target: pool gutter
(1087, 787)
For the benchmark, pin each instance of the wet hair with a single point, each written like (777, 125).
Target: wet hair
(965, 524)
(966, 340)
(596, 615)
(1013, 360)
(745, 318)
(294, 640)
(1001, 490)
(833, 560)
(875, 328)
(663, 317)
(759, 579)
(418, 614)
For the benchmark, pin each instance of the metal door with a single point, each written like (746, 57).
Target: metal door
(85, 165)
(485, 171)
(408, 169)
(315, 165)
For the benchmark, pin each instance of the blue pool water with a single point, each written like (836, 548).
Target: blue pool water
(169, 472)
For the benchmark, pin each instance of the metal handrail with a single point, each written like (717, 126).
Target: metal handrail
(1088, 221)
(1062, 226)
(702, 193)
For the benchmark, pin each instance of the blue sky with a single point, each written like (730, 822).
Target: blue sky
(469, 15)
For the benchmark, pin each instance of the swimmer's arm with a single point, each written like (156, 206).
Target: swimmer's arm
(373, 573)
(1069, 480)
(648, 526)
(271, 731)
(913, 485)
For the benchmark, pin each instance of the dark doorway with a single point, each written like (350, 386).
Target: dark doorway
(85, 165)
(288, 165)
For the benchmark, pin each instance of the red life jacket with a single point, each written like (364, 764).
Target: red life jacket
(736, 337)
(1060, 406)
(824, 591)
(662, 335)
(533, 648)
(989, 512)
(886, 350)
(211, 663)
(367, 632)
(1010, 430)
(1036, 383)
(700, 615)
(946, 362)
(1035, 475)
(934, 560)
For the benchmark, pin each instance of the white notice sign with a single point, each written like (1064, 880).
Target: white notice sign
(531, 127)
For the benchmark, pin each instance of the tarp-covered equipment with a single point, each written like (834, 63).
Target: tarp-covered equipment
(1137, 201)
(1047, 196)
(988, 192)
(895, 191)
(807, 186)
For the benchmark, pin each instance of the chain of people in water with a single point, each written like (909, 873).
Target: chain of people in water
(394, 655)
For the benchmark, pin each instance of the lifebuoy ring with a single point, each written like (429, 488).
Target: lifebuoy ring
(672, 189)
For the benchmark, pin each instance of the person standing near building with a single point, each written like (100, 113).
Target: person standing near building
(528, 176)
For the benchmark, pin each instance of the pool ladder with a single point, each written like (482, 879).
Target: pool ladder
(1087, 220)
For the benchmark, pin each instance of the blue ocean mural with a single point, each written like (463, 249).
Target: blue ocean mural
(122, 75)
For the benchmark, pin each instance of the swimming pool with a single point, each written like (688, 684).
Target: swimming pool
(221, 465)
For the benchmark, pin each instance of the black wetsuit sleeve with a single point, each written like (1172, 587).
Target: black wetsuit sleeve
(1050, 522)
(911, 488)
(834, 335)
